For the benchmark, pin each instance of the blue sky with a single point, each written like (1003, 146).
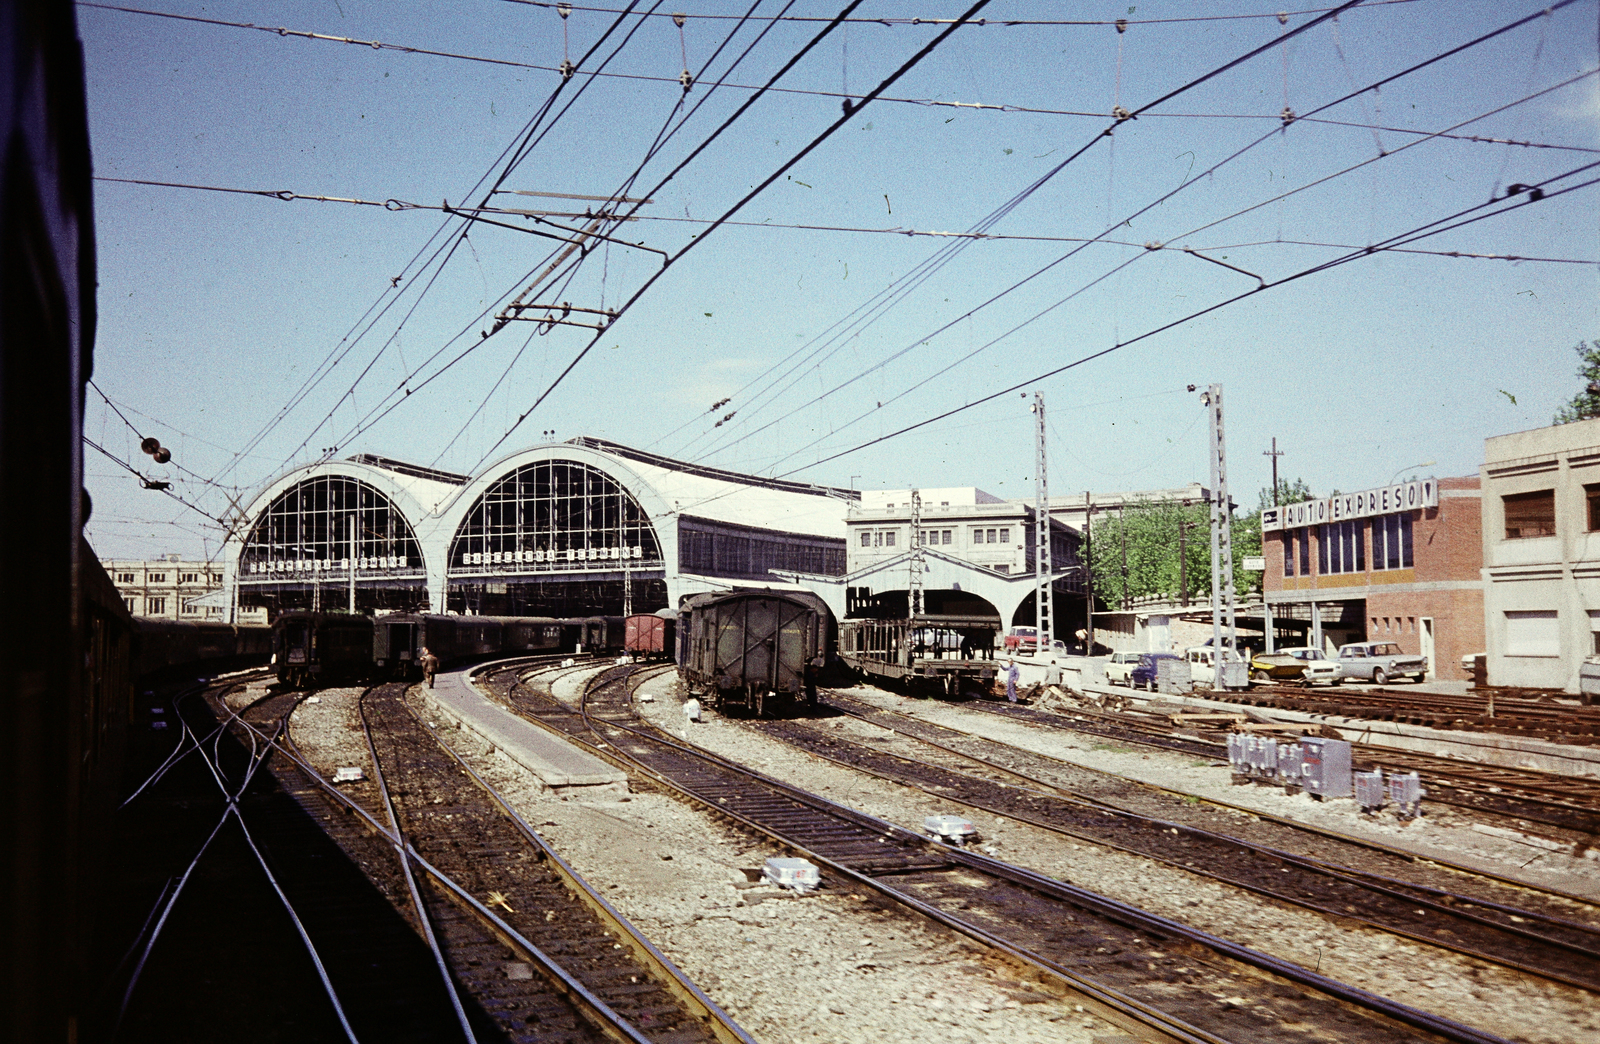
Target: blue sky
(216, 307)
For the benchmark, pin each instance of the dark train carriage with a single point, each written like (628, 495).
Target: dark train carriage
(323, 647)
(753, 650)
(169, 646)
(456, 638)
(394, 645)
(651, 636)
(931, 650)
(603, 634)
(532, 634)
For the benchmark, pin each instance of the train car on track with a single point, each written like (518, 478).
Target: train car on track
(651, 636)
(325, 648)
(163, 646)
(926, 650)
(753, 651)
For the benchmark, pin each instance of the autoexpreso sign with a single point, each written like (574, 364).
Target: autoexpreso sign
(1386, 500)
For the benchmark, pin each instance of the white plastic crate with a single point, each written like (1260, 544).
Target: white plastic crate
(787, 872)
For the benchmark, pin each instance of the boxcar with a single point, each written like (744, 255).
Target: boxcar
(754, 650)
(327, 648)
(651, 636)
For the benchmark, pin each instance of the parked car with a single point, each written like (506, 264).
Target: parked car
(1203, 665)
(1143, 675)
(1021, 639)
(1303, 663)
(1120, 667)
(1380, 662)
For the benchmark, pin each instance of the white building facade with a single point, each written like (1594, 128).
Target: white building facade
(1541, 554)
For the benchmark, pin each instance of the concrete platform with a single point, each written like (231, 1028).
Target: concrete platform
(559, 765)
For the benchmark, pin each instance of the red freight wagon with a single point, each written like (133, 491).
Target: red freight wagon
(648, 636)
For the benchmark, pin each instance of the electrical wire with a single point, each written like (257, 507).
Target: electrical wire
(1436, 227)
(939, 259)
(756, 190)
(916, 342)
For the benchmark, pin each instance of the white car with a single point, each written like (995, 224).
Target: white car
(1203, 665)
(1318, 667)
(1119, 669)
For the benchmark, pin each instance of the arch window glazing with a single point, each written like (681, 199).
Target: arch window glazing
(553, 516)
(307, 530)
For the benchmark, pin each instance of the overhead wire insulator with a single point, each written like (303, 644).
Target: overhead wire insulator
(683, 44)
(567, 69)
(1287, 116)
(686, 79)
(1122, 25)
(1120, 113)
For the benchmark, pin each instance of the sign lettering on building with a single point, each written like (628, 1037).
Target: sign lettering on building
(1386, 500)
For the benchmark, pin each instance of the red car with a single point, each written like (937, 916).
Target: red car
(1022, 639)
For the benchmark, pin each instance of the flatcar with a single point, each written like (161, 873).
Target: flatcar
(927, 651)
(651, 636)
(753, 651)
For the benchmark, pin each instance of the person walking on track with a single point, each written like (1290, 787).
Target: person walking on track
(429, 664)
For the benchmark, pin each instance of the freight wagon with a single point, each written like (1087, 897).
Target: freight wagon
(651, 636)
(929, 650)
(753, 651)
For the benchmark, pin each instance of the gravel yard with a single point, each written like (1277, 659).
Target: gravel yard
(844, 966)
(836, 965)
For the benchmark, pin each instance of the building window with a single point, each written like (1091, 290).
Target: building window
(157, 578)
(866, 538)
(888, 538)
(1533, 633)
(129, 602)
(1531, 514)
(992, 539)
(977, 536)
(1392, 546)
(1322, 551)
(155, 606)
(1005, 536)
(1304, 541)
(945, 535)
(1288, 552)
(188, 578)
(310, 522)
(124, 578)
(1341, 548)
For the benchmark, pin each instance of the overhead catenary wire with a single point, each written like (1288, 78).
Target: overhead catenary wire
(511, 157)
(1436, 227)
(940, 258)
(757, 189)
(913, 343)
(1150, 248)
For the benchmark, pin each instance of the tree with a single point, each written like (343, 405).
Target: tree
(1585, 404)
(1288, 493)
(1153, 562)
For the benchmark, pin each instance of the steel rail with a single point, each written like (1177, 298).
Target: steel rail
(1110, 1003)
(596, 1010)
(669, 974)
(424, 922)
(1331, 870)
(1294, 824)
(1429, 766)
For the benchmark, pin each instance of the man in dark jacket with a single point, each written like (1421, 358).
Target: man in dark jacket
(429, 664)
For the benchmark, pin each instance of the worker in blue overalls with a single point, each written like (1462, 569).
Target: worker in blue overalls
(1011, 680)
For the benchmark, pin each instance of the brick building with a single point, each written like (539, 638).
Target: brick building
(1400, 563)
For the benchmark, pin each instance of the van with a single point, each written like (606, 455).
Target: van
(1203, 665)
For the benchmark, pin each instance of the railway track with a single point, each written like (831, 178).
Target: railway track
(1043, 791)
(1534, 718)
(1569, 804)
(520, 947)
(1147, 973)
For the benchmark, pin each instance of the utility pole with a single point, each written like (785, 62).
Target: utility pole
(352, 565)
(1274, 453)
(914, 587)
(1122, 524)
(1088, 572)
(1222, 594)
(1043, 575)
